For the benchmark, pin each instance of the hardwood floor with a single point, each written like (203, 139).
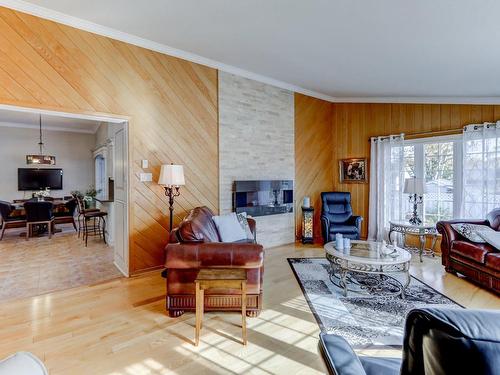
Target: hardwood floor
(120, 327)
(42, 265)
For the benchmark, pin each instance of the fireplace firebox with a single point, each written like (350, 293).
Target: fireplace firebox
(263, 197)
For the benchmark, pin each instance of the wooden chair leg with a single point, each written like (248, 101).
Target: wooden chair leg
(244, 311)
(86, 233)
(49, 227)
(104, 230)
(202, 307)
(3, 230)
(28, 227)
(198, 315)
(79, 225)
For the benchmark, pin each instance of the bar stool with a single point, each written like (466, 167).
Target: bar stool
(98, 217)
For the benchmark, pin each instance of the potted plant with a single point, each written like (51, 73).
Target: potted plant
(42, 194)
(89, 197)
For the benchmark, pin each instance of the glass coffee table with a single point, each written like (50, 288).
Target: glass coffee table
(364, 268)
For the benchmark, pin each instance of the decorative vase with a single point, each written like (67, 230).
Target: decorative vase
(89, 204)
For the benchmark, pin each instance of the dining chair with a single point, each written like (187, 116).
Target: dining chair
(67, 215)
(6, 220)
(38, 214)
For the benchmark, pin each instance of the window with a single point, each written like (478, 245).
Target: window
(439, 161)
(100, 176)
(481, 192)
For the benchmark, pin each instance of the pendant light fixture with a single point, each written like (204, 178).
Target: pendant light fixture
(40, 158)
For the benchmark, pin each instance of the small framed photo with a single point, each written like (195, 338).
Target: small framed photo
(353, 171)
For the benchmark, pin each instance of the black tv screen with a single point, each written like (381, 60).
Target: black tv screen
(39, 178)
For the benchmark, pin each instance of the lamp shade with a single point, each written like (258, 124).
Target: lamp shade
(171, 175)
(414, 186)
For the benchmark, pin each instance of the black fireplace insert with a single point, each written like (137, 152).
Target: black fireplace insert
(263, 197)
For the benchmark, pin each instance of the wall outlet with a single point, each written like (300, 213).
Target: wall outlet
(144, 164)
(146, 177)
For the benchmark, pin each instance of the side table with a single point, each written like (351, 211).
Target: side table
(220, 278)
(422, 231)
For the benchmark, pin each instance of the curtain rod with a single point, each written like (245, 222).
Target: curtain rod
(425, 134)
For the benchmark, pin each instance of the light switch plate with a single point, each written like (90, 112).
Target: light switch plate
(145, 164)
(146, 177)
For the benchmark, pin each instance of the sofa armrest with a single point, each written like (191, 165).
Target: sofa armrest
(325, 227)
(339, 357)
(214, 254)
(356, 221)
(436, 339)
(449, 235)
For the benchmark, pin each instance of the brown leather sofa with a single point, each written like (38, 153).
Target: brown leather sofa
(477, 261)
(196, 244)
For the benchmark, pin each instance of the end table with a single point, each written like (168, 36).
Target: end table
(231, 278)
(422, 231)
(307, 224)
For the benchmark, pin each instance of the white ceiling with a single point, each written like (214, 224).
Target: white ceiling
(352, 50)
(30, 120)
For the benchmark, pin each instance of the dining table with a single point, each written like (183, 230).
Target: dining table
(59, 207)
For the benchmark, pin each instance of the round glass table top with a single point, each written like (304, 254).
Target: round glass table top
(368, 252)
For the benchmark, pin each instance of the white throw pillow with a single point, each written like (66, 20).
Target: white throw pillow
(469, 231)
(492, 237)
(242, 218)
(229, 228)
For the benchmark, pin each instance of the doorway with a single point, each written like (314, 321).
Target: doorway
(63, 261)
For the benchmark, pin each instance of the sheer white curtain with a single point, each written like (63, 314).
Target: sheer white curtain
(481, 170)
(386, 184)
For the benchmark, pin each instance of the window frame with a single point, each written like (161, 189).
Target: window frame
(419, 166)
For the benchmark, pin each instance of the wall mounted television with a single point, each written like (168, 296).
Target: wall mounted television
(39, 178)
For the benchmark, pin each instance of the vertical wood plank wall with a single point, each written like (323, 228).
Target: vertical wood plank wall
(353, 124)
(313, 156)
(172, 104)
(350, 127)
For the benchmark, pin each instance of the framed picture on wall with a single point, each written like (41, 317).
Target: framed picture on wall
(353, 171)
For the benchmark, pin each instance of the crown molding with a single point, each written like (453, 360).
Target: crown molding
(92, 27)
(68, 129)
(486, 100)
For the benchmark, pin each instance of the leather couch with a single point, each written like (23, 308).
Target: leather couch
(196, 244)
(437, 341)
(479, 262)
(337, 217)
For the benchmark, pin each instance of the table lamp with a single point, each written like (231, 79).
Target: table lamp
(171, 178)
(415, 187)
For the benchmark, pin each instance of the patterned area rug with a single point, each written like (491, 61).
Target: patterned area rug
(363, 320)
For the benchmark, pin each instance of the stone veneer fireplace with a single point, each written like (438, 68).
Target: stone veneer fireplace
(256, 142)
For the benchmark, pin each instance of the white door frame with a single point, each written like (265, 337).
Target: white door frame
(101, 117)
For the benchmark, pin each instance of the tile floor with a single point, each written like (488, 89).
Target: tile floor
(39, 265)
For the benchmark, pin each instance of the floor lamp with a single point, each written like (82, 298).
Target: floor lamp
(171, 178)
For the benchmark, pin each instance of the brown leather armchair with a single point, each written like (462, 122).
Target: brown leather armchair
(196, 244)
(479, 262)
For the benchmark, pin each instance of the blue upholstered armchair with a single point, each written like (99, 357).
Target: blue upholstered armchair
(337, 217)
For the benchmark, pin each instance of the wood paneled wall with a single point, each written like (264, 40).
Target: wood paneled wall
(354, 124)
(171, 103)
(327, 132)
(313, 156)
